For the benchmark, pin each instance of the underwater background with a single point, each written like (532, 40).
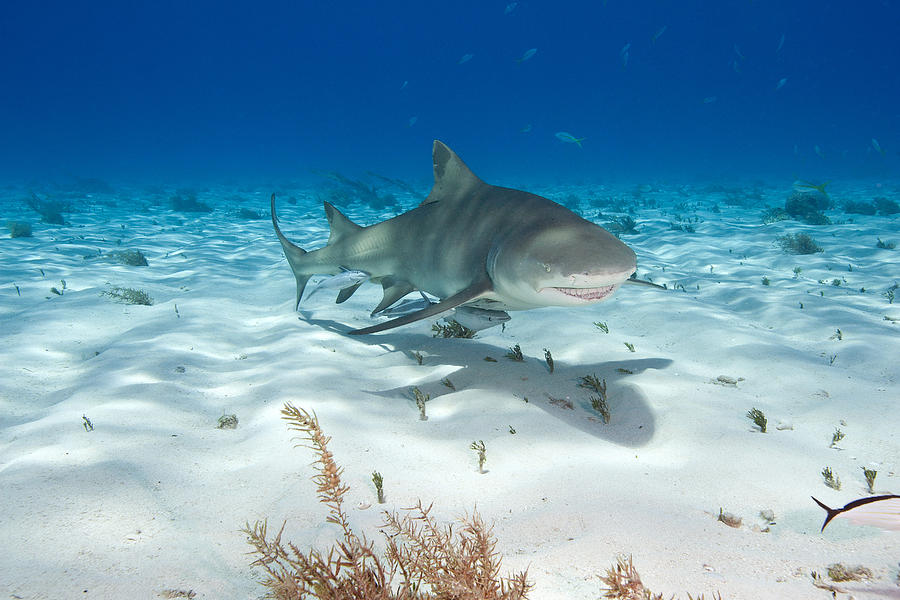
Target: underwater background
(676, 91)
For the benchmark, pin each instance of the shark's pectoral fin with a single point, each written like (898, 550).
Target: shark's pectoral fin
(393, 291)
(467, 295)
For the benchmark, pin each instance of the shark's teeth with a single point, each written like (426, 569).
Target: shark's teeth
(587, 293)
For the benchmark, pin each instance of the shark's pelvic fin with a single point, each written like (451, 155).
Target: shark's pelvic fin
(393, 291)
(453, 180)
(340, 224)
(293, 253)
(466, 295)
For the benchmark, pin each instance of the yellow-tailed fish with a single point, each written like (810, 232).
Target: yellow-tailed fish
(567, 137)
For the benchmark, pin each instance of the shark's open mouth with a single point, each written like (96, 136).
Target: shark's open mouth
(597, 293)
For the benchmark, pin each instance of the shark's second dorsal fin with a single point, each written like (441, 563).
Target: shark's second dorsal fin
(453, 180)
(340, 224)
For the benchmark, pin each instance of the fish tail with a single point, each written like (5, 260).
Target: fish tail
(294, 255)
(832, 512)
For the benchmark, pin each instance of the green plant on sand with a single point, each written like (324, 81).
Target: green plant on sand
(422, 560)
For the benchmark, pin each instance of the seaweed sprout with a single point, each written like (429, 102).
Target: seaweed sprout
(421, 561)
(800, 243)
(452, 330)
(880, 244)
(602, 326)
(870, 474)
(624, 583)
(88, 426)
(482, 454)
(758, 418)
(765, 280)
(515, 353)
(446, 381)
(128, 296)
(378, 480)
(630, 346)
(133, 258)
(18, 229)
(837, 436)
(421, 399)
(549, 359)
(831, 480)
(227, 422)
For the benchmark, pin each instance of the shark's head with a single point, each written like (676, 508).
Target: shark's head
(569, 262)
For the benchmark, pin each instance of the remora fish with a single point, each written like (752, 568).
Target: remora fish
(878, 511)
(346, 279)
(470, 243)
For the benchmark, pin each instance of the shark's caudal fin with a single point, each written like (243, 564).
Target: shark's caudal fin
(294, 255)
(453, 180)
(470, 293)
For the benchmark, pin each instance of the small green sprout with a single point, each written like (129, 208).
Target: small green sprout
(515, 353)
(591, 382)
(797, 271)
(452, 330)
(870, 478)
(765, 280)
(421, 399)
(758, 418)
(482, 454)
(227, 422)
(837, 335)
(598, 403)
(630, 346)
(549, 359)
(129, 296)
(418, 356)
(831, 480)
(88, 426)
(448, 383)
(511, 430)
(378, 481)
(837, 436)
(602, 326)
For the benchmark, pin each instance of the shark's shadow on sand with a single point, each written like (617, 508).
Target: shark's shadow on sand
(632, 423)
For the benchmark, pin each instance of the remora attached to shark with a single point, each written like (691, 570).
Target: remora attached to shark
(470, 243)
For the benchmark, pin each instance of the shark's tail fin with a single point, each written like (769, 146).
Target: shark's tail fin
(294, 255)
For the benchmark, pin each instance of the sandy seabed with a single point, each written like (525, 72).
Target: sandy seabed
(154, 497)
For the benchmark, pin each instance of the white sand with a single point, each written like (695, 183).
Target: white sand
(153, 498)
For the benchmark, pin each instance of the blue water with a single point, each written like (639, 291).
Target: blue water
(212, 91)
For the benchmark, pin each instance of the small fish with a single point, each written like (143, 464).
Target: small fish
(710, 99)
(465, 58)
(565, 136)
(806, 186)
(780, 44)
(412, 121)
(527, 55)
(819, 151)
(346, 279)
(878, 511)
(510, 7)
(737, 50)
(877, 146)
(781, 83)
(477, 319)
(526, 129)
(658, 34)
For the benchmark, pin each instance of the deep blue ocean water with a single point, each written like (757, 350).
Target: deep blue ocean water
(661, 91)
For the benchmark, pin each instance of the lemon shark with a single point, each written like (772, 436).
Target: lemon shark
(470, 244)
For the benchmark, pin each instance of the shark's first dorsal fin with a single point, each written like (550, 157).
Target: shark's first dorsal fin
(340, 224)
(453, 180)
